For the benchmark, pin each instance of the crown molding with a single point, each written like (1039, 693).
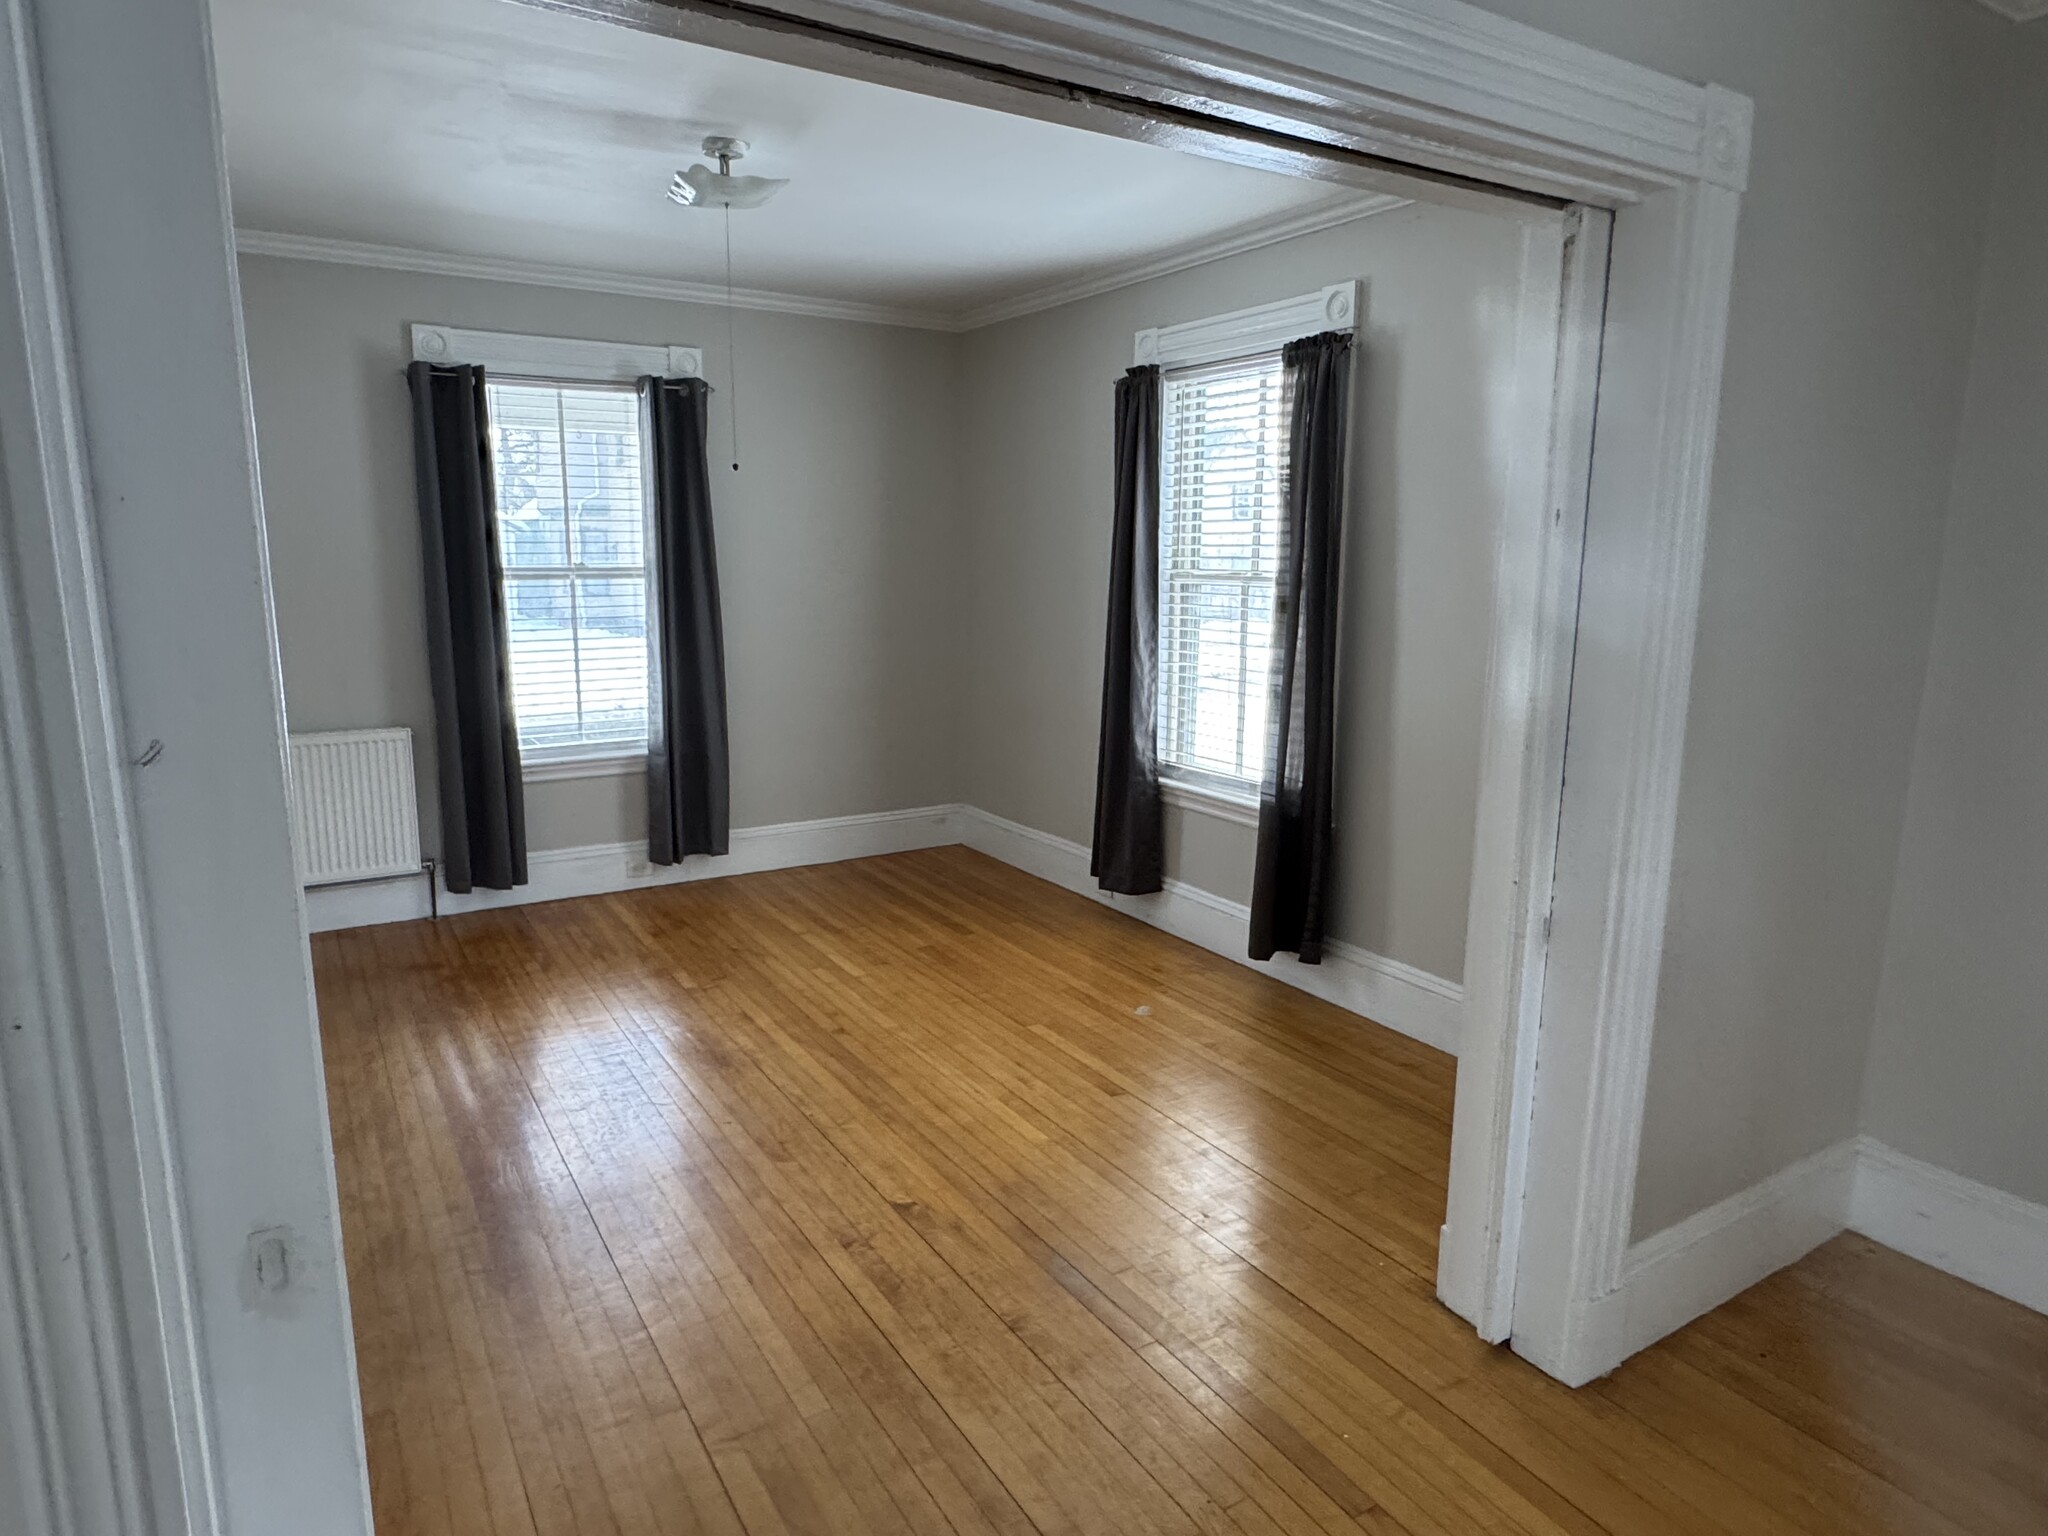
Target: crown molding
(398, 258)
(1234, 242)
(2018, 10)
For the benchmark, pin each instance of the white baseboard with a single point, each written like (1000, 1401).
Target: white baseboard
(1980, 1234)
(1404, 999)
(329, 907)
(1970, 1230)
(1689, 1269)
(555, 874)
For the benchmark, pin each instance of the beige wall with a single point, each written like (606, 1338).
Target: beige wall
(1425, 501)
(1958, 1071)
(1855, 278)
(837, 541)
(914, 558)
(1849, 348)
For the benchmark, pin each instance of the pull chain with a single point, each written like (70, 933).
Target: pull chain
(732, 360)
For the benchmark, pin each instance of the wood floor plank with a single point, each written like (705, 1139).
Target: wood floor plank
(1430, 1456)
(915, 1195)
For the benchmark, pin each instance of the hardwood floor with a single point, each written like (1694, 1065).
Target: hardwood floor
(914, 1195)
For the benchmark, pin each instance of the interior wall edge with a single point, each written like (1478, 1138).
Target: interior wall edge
(1955, 1052)
(1688, 1269)
(212, 944)
(1959, 1225)
(1991, 1239)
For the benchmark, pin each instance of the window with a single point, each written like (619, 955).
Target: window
(1223, 444)
(572, 535)
(572, 522)
(1223, 460)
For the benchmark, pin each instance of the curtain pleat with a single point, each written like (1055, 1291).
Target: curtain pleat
(1297, 824)
(689, 790)
(476, 738)
(1129, 853)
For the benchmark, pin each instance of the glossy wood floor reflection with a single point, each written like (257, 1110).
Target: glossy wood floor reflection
(914, 1195)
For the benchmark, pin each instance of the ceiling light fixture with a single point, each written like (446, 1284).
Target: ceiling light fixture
(702, 187)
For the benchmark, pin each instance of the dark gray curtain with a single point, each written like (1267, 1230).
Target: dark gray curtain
(1291, 875)
(1130, 836)
(688, 779)
(483, 798)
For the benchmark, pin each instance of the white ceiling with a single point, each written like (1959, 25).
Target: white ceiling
(480, 128)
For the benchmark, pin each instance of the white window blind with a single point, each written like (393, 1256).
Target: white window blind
(572, 536)
(1223, 448)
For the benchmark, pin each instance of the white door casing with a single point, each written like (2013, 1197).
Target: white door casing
(151, 928)
(155, 995)
(1538, 558)
(1460, 92)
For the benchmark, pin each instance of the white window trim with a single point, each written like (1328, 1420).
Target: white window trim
(602, 762)
(1475, 94)
(1207, 799)
(555, 358)
(1243, 332)
(1217, 339)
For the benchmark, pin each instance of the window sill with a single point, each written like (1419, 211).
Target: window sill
(1210, 802)
(611, 765)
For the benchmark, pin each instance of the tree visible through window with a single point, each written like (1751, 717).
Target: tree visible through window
(1223, 451)
(572, 531)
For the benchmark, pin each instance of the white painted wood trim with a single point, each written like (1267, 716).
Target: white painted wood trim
(1979, 1234)
(1242, 332)
(1447, 86)
(179, 871)
(556, 874)
(1967, 1229)
(1207, 802)
(555, 357)
(1539, 552)
(1689, 1269)
(1983, 1235)
(397, 258)
(1252, 237)
(615, 765)
(1666, 334)
(104, 1417)
(1432, 83)
(1404, 999)
(1347, 209)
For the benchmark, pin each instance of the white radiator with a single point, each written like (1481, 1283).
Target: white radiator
(353, 812)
